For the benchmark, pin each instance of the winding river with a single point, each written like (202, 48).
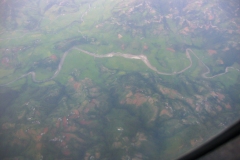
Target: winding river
(129, 56)
(143, 58)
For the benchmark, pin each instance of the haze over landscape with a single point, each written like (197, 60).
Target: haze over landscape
(116, 79)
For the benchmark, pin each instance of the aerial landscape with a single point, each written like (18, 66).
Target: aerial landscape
(116, 79)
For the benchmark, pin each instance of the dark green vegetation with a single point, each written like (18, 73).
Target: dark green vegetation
(115, 108)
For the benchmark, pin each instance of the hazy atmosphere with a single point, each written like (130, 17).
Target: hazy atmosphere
(116, 79)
